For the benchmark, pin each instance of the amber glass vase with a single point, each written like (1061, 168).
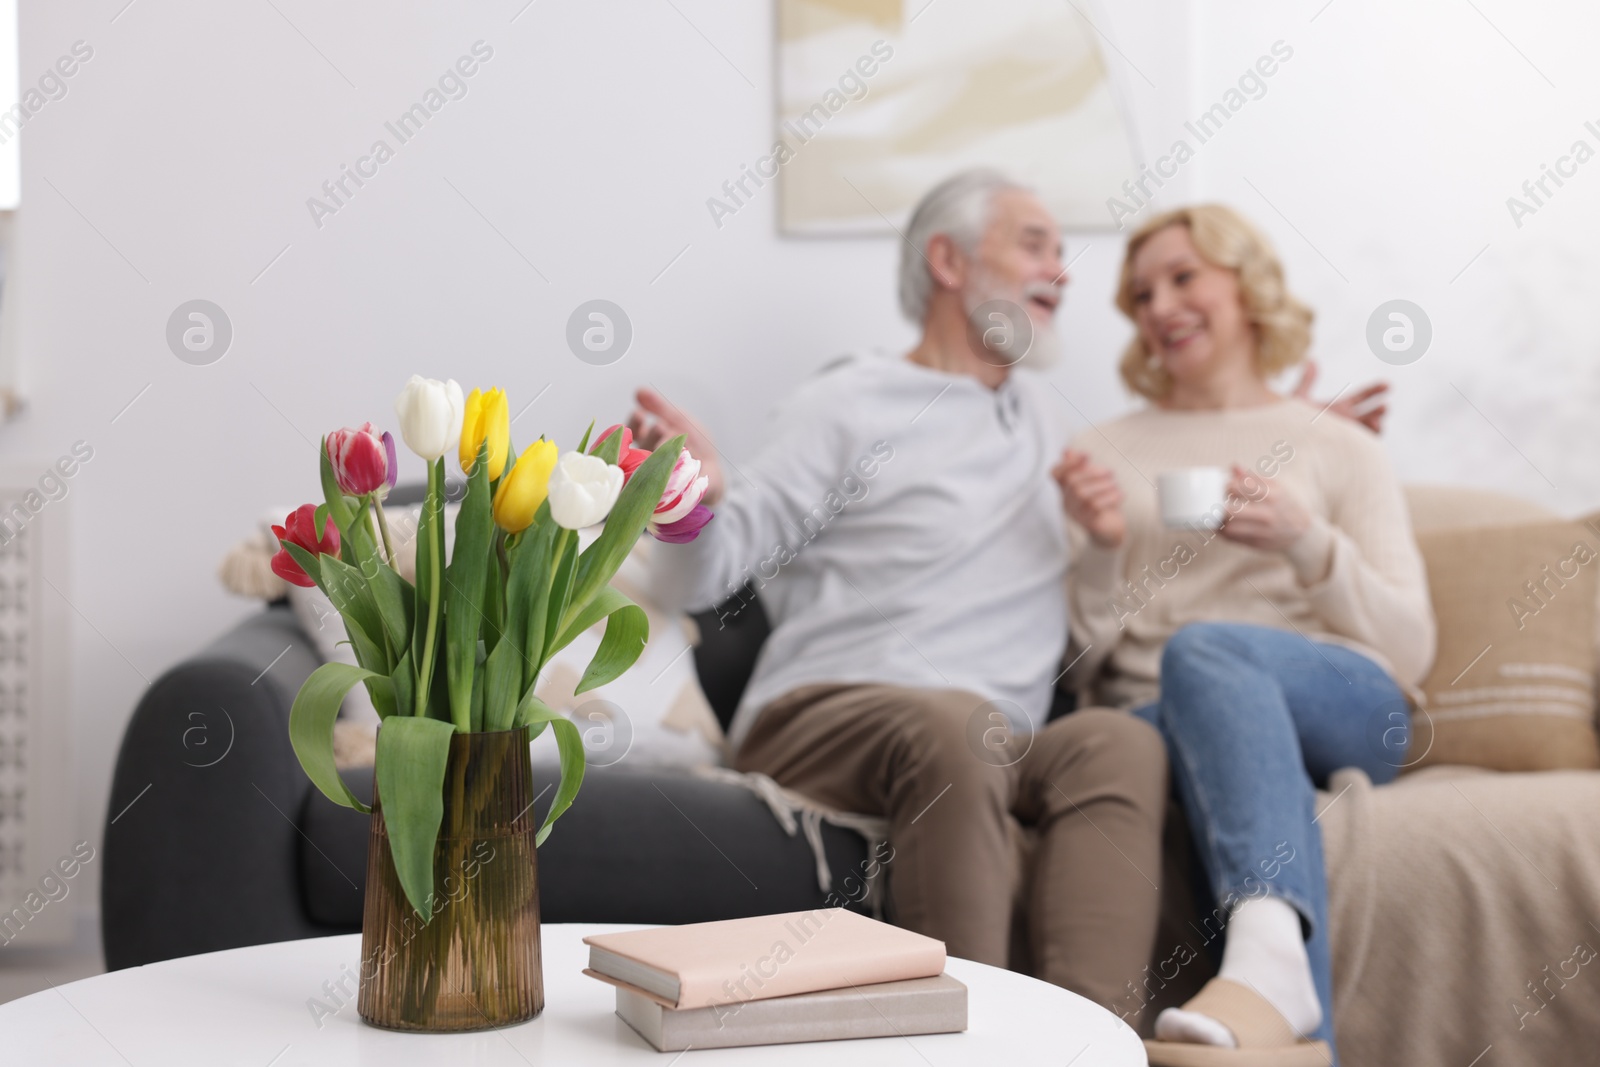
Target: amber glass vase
(475, 962)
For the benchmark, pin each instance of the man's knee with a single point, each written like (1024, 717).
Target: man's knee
(1113, 748)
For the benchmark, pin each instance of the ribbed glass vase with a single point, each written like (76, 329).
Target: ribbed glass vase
(475, 963)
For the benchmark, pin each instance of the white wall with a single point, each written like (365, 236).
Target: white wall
(179, 165)
(1391, 142)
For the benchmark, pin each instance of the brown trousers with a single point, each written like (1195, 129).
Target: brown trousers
(932, 761)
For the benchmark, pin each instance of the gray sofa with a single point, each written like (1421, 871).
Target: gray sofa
(1465, 903)
(224, 850)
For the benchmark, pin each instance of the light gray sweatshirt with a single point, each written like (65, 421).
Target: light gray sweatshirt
(901, 527)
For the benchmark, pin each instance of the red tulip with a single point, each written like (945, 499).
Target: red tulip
(300, 528)
(363, 461)
(628, 457)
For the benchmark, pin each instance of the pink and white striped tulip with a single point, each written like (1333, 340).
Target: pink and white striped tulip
(363, 460)
(679, 516)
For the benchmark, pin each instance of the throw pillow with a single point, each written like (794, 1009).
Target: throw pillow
(1512, 686)
(1591, 524)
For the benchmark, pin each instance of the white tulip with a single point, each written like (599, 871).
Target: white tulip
(583, 490)
(430, 413)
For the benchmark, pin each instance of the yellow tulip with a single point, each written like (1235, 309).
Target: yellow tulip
(486, 417)
(524, 489)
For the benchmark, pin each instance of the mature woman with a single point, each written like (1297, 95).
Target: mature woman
(1271, 652)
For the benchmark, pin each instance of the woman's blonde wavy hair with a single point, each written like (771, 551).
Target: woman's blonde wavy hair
(1224, 238)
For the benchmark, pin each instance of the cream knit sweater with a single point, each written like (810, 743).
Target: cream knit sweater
(1354, 578)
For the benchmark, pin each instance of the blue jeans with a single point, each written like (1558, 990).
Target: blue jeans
(1254, 720)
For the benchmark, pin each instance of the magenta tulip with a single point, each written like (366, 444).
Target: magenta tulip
(683, 530)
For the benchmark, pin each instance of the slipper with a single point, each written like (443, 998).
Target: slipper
(1265, 1037)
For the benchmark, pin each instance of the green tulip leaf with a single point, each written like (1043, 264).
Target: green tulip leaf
(528, 592)
(337, 503)
(569, 744)
(502, 685)
(566, 567)
(627, 630)
(494, 592)
(352, 597)
(511, 465)
(477, 689)
(527, 609)
(382, 692)
(393, 598)
(429, 589)
(609, 449)
(463, 595)
(510, 662)
(603, 604)
(311, 719)
(357, 546)
(324, 571)
(387, 591)
(412, 756)
(309, 562)
(340, 508)
(404, 680)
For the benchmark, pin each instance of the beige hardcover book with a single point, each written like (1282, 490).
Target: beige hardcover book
(935, 1005)
(738, 960)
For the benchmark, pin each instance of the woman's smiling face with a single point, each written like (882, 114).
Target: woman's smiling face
(1189, 312)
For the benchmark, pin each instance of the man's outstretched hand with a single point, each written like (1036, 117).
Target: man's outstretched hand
(656, 418)
(1092, 498)
(1365, 405)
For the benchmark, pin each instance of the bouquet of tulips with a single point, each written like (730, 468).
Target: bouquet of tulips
(461, 648)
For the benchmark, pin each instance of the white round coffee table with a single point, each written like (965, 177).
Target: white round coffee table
(249, 1007)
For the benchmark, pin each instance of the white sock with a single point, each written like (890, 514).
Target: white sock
(1265, 952)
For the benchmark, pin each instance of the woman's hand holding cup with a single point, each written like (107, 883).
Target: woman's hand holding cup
(1267, 517)
(1091, 497)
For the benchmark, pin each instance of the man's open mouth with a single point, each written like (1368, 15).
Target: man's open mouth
(1047, 301)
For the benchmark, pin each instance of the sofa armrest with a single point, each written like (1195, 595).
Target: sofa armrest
(201, 841)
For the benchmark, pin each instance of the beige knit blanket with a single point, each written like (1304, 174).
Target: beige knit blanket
(1465, 906)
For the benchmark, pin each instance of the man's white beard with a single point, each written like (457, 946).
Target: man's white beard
(1046, 351)
(1042, 354)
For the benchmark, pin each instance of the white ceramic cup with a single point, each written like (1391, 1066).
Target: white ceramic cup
(1193, 497)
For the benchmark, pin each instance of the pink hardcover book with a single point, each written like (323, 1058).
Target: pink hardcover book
(736, 960)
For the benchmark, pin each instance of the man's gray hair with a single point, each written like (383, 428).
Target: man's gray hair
(957, 207)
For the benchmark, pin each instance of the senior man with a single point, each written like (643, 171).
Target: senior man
(910, 547)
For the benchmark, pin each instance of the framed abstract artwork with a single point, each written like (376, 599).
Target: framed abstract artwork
(878, 100)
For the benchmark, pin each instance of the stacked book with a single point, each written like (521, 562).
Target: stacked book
(821, 975)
